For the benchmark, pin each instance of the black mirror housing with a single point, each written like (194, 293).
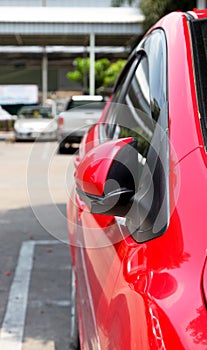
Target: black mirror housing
(110, 172)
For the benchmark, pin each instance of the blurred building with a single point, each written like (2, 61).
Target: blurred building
(38, 45)
(65, 3)
(201, 4)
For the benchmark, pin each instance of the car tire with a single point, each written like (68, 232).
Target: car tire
(73, 320)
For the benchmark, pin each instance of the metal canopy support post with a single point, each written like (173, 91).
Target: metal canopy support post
(92, 65)
(85, 73)
(201, 4)
(44, 76)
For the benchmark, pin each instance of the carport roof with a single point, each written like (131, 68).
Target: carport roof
(52, 26)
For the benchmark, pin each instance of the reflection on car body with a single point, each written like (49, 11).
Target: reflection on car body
(137, 211)
(35, 122)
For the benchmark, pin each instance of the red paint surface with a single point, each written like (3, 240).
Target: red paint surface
(150, 295)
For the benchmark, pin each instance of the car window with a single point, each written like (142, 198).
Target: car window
(141, 111)
(156, 54)
(106, 129)
(133, 117)
(86, 104)
(35, 113)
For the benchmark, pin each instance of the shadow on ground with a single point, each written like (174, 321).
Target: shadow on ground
(47, 321)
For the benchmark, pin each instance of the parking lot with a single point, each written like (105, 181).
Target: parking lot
(35, 268)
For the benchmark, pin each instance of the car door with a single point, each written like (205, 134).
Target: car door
(114, 254)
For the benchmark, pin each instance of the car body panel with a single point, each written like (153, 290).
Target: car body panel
(181, 70)
(149, 295)
(90, 166)
(156, 276)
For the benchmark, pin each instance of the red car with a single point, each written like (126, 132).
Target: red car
(137, 214)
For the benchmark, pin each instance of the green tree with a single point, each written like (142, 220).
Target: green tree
(106, 73)
(153, 10)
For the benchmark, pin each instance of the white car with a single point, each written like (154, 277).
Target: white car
(35, 122)
(82, 112)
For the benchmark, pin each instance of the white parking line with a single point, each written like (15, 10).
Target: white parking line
(46, 151)
(11, 335)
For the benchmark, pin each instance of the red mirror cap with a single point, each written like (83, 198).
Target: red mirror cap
(92, 171)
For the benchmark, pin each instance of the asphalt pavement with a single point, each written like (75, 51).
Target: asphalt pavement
(35, 268)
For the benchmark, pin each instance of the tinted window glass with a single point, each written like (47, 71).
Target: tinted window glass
(199, 39)
(141, 111)
(157, 75)
(35, 113)
(107, 129)
(132, 117)
(86, 104)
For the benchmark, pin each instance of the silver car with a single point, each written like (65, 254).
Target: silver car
(82, 112)
(35, 122)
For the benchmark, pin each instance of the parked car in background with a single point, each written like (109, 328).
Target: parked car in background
(80, 114)
(34, 122)
(137, 211)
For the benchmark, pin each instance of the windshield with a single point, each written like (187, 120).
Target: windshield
(199, 41)
(35, 113)
(86, 104)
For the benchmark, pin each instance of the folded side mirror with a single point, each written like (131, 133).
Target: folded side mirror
(106, 179)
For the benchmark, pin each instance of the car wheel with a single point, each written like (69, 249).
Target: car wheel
(73, 321)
